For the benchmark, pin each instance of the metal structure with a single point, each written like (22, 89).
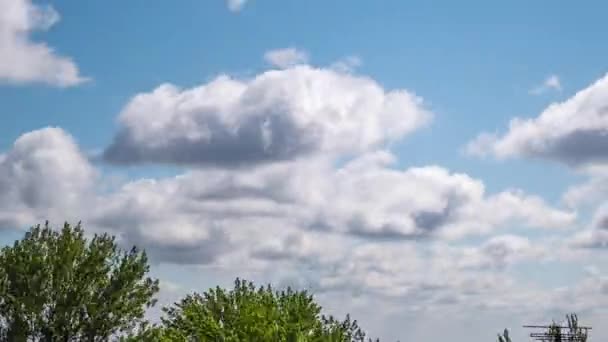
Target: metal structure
(557, 333)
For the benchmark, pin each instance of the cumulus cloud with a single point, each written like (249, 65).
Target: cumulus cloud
(591, 238)
(277, 115)
(369, 198)
(285, 58)
(43, 176)
(176, 219)
(499, 252)
(594, 190)
(596, 236)
(349, 228)
(236, 5)
(419, 277)
(203, 213)
(592, 291)
(552, 82)
(197, 216)
(23, 60)
(574, 132)
(591, 195)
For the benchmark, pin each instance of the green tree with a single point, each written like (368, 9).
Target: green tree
(247, 313)
(61, 286)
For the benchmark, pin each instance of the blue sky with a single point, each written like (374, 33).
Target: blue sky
(145, 96)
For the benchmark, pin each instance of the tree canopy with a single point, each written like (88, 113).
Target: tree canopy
(249, 313)
(57, 285)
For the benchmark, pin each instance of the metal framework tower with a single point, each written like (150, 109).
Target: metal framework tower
(557, 333)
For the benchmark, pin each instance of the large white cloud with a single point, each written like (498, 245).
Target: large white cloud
(499, 252)
(574, 132)
(594, 190)
(308, 223)
(23, 60)
(210, 209)
(596, 236)
(43, 176)
(369, 197)
(416, 277)
(591, 195)
(193, 217)
(277, 115)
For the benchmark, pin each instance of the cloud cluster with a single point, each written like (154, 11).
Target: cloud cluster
(574, 132)
(408, 277)
(370, 198)
(596, 235)
(25, 61)
(278, 115)
(43, 176)
(289, 174)
(201, 214)
(364, 198)
(500, 251)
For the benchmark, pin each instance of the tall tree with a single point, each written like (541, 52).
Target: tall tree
(61, 286)
(247, 313)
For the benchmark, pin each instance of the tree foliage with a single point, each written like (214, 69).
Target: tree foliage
(247, 313)
(60, 286)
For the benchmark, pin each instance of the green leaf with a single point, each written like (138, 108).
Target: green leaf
(59, 285)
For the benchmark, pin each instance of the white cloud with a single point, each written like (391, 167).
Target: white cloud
(277, 115)
(591, 238)
(198, 216)
(286, 58)
(499, 252)
(360, 228)
(411, 277)
(306, 223)
(591, 192)
(44, 176)
(552, 82)
(596, 236)
(25, 61)
(347, 64)
(574, 132)
(370, 198)
(195, 217)
(235, 5)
